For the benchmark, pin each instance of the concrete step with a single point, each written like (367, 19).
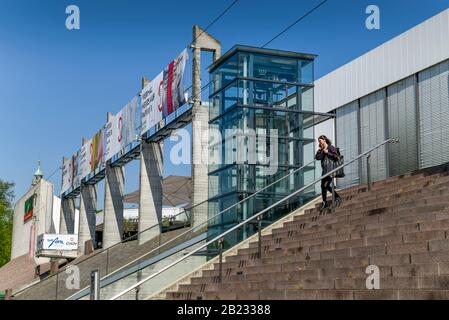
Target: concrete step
(353, 256)
(411, 235)
(333, 232)
(342, 215)
(387, 282)
(317, 295)
(401, 225)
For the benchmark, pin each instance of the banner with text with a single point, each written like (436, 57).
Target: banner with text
(70, 173)
(121, 130)
(84, 162)
(96, 151)
(164, 94)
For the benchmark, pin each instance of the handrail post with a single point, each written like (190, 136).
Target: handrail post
(333, 191)
(220, 252)
(95, 284)
(137, 290)
(56, 289)
(368, 171)
(259, 234)
(107, 261)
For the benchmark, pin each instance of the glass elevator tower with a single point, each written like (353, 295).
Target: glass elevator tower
(261, 122)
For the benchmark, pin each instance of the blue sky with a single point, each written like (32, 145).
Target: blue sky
(56, 85)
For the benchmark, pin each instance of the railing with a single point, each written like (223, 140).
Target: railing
(106, 251)
(187, 235)
(219, 239)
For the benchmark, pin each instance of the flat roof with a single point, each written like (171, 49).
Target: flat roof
(258, 50)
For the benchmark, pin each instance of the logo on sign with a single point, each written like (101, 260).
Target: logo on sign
(55, 241)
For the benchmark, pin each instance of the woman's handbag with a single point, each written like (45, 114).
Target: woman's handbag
(338, 163)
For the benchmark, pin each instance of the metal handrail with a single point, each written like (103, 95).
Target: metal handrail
(255, 216)
(198, 226)
(159, 224)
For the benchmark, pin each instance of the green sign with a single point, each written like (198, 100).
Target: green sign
(29, 205)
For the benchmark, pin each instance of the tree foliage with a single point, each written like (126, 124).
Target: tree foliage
(6, 220)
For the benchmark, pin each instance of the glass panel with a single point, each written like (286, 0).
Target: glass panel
(306, 99)
(267, 94)
(231, 96)
(215, 106)
(305, 72)
(275, 68)
(224, 74)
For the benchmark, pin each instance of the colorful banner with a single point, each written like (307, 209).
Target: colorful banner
(164, 94)
(84, 160)
(70, 173)
(75, 170)
(66, 175)
(90, 157)
(96, 150)
(173, 96)
(121, 130)
(29, 206)
(152, 103)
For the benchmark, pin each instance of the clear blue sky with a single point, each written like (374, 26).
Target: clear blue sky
(57, 85)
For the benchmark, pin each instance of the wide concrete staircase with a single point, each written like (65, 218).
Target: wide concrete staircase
(401, 226)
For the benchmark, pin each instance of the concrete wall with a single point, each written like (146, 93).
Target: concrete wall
(42, 222)
(56, 213)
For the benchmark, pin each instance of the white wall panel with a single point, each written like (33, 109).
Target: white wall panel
(347, 133)
(434, 115)
(373, 132)
(415, 50)
(402, 125)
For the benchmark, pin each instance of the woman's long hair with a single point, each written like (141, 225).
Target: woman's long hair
(323, 137)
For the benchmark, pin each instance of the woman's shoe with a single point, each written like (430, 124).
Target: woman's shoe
(324, 205)
(338, 201)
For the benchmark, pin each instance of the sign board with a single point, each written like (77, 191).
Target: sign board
(70, 173)
(152, 103)
(121, 130)
(164, 94)
(29, 206)
(59, 242)
(96, 150)
(66, 175)
(84, 159)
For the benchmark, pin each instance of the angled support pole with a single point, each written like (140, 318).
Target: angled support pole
(202, 41)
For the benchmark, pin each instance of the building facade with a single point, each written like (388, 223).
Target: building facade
(398, 90)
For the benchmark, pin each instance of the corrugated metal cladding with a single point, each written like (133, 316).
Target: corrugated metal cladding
(373, 132)
(347, 139)
(402, 125)
(409, 53)
(414, 110)
(434, 115)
